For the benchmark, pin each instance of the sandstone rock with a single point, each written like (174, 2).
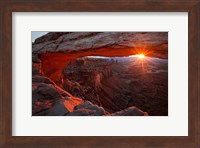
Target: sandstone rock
(79, 41)
(92, 79)
(57, 110)
(87, 109)
(48, 99)
(45, 92)
(41, 79)
(64, 47)
(35, 71)
(49, 37)
(35, 58)
(131, 111)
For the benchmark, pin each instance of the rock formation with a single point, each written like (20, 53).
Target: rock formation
(156, 42)
(51, 55)
(53, 48)
(131, 111)
(87, 78)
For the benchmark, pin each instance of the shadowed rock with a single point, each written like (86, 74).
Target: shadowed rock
(41, 79)
(131, 111)
(45, 92)
(35, 71)
(87, 109)
(35, 58)
(48, 99)
(57, 110)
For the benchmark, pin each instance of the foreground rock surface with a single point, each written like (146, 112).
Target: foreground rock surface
(131, 111)
(87, 109)
(47, 95)
(50, 100)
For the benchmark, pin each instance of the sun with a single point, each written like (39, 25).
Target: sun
(141, 56)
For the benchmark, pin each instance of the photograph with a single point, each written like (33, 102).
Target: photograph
(99, 73)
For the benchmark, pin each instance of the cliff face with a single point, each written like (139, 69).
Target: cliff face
(85, 70)
(88, 78)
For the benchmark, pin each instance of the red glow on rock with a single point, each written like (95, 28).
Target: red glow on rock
(53, 63)
(72, 102)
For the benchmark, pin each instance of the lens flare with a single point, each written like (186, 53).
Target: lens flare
(141, 56)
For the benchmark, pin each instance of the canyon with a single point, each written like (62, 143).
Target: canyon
(69, 78)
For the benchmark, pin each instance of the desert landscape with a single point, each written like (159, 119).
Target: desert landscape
(100, 74)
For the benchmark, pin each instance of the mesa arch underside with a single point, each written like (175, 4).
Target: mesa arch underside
(52, 64)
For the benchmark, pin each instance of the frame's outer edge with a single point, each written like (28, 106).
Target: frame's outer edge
(6, 81)
(6, 49)
(194, 75)
(1, 104)
(198, 48)
(2, 131)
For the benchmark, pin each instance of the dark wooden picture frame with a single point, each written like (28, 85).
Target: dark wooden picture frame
(9, 6)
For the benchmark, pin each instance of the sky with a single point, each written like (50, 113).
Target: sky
(36, 34)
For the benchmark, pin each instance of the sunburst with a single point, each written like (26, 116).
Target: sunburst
(140, 56)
